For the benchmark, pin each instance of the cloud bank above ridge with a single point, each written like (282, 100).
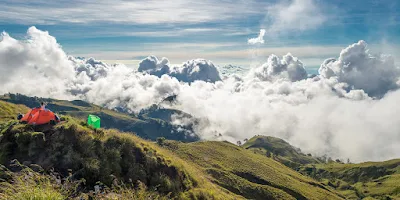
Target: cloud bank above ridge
(349, 111)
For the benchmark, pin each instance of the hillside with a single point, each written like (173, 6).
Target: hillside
(83, 158)
(124, 164)
(280, 150)
(250, 175)
(150, 124)
(379, 180)
(9, 110)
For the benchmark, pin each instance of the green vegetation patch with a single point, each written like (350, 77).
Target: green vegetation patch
(249, 174)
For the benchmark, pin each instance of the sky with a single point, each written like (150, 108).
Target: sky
(217, 30)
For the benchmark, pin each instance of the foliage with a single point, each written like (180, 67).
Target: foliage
(160, 141)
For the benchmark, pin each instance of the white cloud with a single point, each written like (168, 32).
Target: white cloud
(197, 69)
(93, 69)
(259, 39)
(153, 66)
(192, 70)
(122, 11)
(35, 66)
(375, 74)
(290, 68)
(332, 114)
(294, 15)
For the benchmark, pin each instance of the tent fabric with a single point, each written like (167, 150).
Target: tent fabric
(28, 116)
(94, 121)
(39, 116)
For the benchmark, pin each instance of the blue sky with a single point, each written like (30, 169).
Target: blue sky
(216, 30)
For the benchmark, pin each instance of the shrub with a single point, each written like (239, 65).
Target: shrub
(161, 141)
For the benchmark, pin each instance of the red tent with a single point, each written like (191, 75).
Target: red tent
(39, 116)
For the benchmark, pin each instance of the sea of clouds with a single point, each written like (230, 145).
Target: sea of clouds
(350, 110)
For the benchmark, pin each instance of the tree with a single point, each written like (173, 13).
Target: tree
(161, 141)
(268, 154)
(246, 140)
(348, 160)
(239, 143)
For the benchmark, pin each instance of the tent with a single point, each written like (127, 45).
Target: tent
(39, 116)
(94, 121)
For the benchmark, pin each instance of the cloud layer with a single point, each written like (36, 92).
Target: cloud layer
(349, 111)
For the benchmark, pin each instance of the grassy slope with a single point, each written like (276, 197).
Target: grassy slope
(380, 180)
(245, 173)
(354, 181)
(10, 110)
(279, 150)
(96, 155)
(148, 128)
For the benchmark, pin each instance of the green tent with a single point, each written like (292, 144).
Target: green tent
(94, 121)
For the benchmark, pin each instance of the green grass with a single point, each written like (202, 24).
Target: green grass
(379, 180)
(279, 150)
(354, 181)
(28, 184)
(248, 174)
(10, 110)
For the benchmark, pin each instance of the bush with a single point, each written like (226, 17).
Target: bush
(161, 141)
